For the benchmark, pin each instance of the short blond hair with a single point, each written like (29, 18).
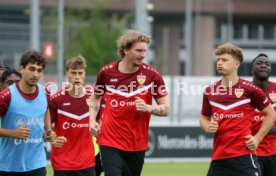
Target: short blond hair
(76, 62)
(129, 38)
(229, 48)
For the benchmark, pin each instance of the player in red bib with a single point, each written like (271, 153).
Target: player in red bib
(227, 111)
(73, 151)
(129, 86)
(266, 151)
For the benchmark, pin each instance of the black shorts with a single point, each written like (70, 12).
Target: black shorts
(98, 167)
(36, 172)
(268, 165)
(116, 162)
(246, 165)
(84, 172)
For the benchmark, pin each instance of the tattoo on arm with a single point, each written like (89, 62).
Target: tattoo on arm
(157, 110)
(95, 108)
(154, 110)
(161, 110)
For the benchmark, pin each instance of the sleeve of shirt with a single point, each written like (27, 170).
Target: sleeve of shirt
(159, 88)
(5, 99)
(99, 87)
(53, 109)
(259, 99)
(206, 109)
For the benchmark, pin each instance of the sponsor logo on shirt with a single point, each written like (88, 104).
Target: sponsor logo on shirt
(19, 121)
(25, 141)
(67, 125)
(239, 92)
(272, 96)
(217, 116)
(258, 118)
(141, 79)
(114, 103)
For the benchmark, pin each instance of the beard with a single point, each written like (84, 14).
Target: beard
(31, 84)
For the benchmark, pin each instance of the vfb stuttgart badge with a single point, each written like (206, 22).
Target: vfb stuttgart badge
(239, 92)
(141, 79)
(272, 96)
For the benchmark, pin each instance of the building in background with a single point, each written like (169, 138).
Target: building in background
(251, 24)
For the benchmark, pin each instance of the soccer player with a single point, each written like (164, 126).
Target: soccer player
(266, 151)
(22, 109)
(227, 111)
(128, 86)
(73, 151)
(8, 78)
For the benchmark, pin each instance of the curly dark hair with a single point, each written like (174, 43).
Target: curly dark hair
(32, 56)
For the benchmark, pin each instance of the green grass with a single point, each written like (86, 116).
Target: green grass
(168, 169)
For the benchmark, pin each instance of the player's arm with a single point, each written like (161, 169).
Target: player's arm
(270, 117)
(47, 121)
(273, 129)
(21, 132)
(94, 103)
(47, 118)
(206, 121)
(209, 126)
(161, 109)
(49, 134)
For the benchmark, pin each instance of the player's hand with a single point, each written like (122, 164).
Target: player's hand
(252, 142)
(59, 141)
(212, 126)
(141, 105)
(22, 132)
(94, 128)
(50, 136)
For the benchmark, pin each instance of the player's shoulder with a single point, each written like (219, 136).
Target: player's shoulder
(272, 84)
(5, 93)
(248, 85)
(109, 67)
(149, 69)
(57, 95)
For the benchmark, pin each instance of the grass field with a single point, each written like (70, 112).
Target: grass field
(168, 169)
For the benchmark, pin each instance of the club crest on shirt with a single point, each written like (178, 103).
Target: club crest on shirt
(141, 79)
(272, 96)
(239, 92)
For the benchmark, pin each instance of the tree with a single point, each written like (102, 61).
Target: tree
(93, 35)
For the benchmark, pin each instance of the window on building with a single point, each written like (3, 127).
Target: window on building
(273, 71)
(238, 31)
(253, 31)
(245, 69)
(269, 31)
(218, 31)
